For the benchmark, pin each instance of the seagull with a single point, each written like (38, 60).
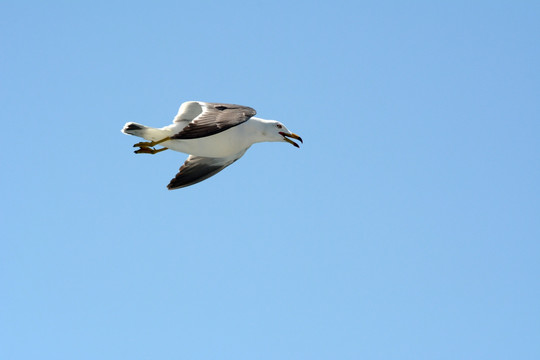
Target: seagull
(213, 134)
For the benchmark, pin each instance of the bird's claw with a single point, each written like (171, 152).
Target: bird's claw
(148, 150)
(144, 144)
(145, 150)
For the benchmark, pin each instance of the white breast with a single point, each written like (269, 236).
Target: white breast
(226, 143)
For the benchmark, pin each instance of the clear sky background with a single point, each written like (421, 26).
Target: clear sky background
(406, 226)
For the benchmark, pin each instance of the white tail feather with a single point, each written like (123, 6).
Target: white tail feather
(144, 132)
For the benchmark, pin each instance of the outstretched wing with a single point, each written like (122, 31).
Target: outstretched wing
(198, 168)
(213, 118)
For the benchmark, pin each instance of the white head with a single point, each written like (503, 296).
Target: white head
(276, 131)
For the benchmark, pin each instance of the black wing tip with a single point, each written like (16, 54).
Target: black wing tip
(173, 186)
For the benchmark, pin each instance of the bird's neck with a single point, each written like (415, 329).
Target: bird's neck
(257, 127)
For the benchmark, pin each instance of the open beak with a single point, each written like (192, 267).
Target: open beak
(291, 135)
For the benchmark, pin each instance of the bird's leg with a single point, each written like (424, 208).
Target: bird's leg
(148, 150)
(151, 143)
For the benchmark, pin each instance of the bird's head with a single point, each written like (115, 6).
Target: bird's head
(276, 131)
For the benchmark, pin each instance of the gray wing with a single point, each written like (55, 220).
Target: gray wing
(198, 168)
(213, 119)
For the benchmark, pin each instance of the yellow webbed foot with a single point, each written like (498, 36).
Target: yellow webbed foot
(148, 150)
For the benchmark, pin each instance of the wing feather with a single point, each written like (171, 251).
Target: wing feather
(213, 119)
(197, 168)
(188, 111)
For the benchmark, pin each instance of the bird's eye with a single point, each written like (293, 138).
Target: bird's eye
(279, 126)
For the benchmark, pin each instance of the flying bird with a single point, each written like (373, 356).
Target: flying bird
(214, 135)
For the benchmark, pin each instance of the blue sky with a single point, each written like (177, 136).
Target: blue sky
(406, 227)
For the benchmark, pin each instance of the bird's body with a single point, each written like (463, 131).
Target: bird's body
(225, 143)
(214, 135)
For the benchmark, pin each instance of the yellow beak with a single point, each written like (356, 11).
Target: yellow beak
(291, 135)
